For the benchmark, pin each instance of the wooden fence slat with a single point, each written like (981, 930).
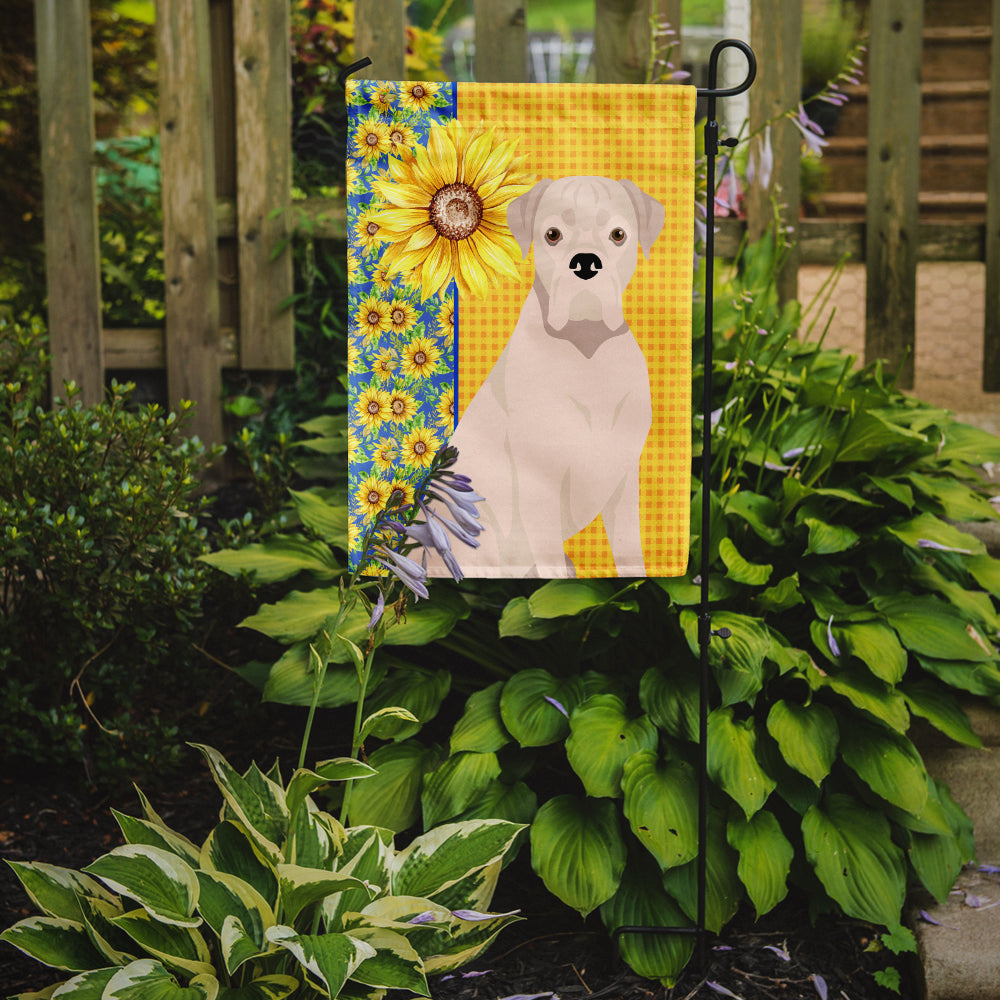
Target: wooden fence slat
(262, 61)
(776, 36)
(501, 41)
(190, 253)
(72, 256)
(991, 331)
(621, 40)
(893, 184)
(380, 34)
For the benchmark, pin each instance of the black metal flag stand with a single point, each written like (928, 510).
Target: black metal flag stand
(705, 631)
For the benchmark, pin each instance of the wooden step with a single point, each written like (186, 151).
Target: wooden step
(956, 53)
(957, 206)
(944, 104)
(940, 13)
(947, 162)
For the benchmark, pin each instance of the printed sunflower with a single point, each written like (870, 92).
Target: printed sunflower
(386, 454)
(384, 365)
(402, 315)
(371, 496)
(419, 447)
(373, 408)
(445, 409)
(382, 98)
(402, 139)
(402, 406)
(373, 317)
(366, 228)
(420, 358)
(447, 210)
(371, 139)
(418, 95)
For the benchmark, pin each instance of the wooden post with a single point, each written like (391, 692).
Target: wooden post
(501, 41)
(72, 255)
(667, 13)
(190, 254)
(262, 60)
(622, 40)
(380, 34)
(776, 35)
(893, 183)
(991, 333)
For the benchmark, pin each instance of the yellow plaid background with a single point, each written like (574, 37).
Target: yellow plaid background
(645, 134)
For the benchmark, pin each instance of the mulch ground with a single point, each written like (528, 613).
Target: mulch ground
(551, 953)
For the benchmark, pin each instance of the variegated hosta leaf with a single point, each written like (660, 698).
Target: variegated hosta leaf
(230, 849)
(147, 979)
(391, 799)
(850, 847)
(642, 902)
(578, 851)
(315, 838)
(87, 986)
(328, 959)
(238, 945)
(481, 727)
(177, 947)
(417, 690)
(300, 887)
(661, 799)
(256, 801)
(807, 736)
(56, 891)
(367, 853)
(54, 941)
(395, 964)
(888, 763)
(116, 946)
(723, 889)
(732, 760)
(274, 987)
(141, 831)
(765, 858)
(602, 737)
(476, 890)
(467, 940)
(441, 857)
(158, 880)
(225, 897)
(456, 784)
(535, 706)
(304, 782)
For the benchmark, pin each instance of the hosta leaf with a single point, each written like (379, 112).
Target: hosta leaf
(56, 891)
(280, 557)
(671, 700)
(327, 520)
(931, 628)
(98, 916)
(864, 691)
(738, 661)
(147, 979)
(986, 572)
(391, 798)
(765, 858)
(481, 727)
(976, 678)
(274, 987)
(758, 511)
(661, 798)
(292, 681)
(888, 763)
(301, 887)
(807, 736)
(456, 784)
(876, 646)
(783, 595)
(937, 860)
(641, 901)
(181, 948)
(54, 941)
(141, 831)
(528, 710)
(928, 528)
(578, 851)
(395, 964)
(385, 723)
(87, 986)
(441, 857)
(304, 782)
(685, 592)
(263, 812)
(602, 738)
(230, 849)
(723, 889)
(850, 848)
(559, 598)
(732, 760)
(159, 881)
(330, 959)
(227, 897)
(418, 690)
(941, 709)
(956, 500)
(870, 435)
(976, 605)
(516, 803)
(517, 620)
(828, 539)
(367, 853)
(466, 941)
(965, 443)
(739, 569)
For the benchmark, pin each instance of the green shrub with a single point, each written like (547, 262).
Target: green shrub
(99, 540)
(279, 900)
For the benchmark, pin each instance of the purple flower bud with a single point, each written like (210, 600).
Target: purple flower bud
(377, 612)
(411, 574)
(820, 983)
(427, 917)
(558, 705)
(834, 648)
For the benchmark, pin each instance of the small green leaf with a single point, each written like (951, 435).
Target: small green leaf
(418, 690)
(828, 539)
(739, 569)
(732, 760)
(783, 595)
(928, 528)
(765, 858)
(279, 558)
(456, 784)
(56, 891)
(559, 598)
(328, 521)
(888, 763)
(391, 798)
(330, 959)
(147, 979)
(181, 948)
(518, 621)
(535, 706)
(578, 851)
(301, 887)
(936, 704)
(807, 736)
(481, 727)
(671, 700)
(383, 723)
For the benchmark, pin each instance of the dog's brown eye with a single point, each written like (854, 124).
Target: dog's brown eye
(552, 236)
(618, 236)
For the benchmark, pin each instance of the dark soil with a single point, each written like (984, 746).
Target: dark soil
(551, 952)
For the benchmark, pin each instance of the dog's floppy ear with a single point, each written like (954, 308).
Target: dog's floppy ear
(521, 214)
(649, 213)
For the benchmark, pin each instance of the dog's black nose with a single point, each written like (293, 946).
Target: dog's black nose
(585, 265)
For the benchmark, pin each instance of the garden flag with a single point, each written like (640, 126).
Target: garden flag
(520, 275)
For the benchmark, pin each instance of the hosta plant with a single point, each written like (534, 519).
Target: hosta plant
(279, 900)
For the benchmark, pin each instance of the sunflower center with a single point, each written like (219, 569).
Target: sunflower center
(419, 358)
(372, 228)
(398, 316)
(456, 211)
(418, 92)
(419, 448)
(396, 138)
(373, 318)
(398, 406)
(374, 496)
(371, 138)
(373, 407)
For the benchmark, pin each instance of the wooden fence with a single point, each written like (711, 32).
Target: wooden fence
(226, 161)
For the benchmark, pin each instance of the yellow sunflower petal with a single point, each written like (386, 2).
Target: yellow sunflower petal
(476, 155)
(442, 155)
(494, 253)
(436, 268)
(472, 269)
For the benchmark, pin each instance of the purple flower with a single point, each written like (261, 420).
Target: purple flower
(719, 988)
(811, 132)
(552, 701)
(411, 574)
(927, 543)
(377, 612)
(820, 983)
(834, 648)
(760, 165)
(427, 917)
(780, 952)
(475, 915)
